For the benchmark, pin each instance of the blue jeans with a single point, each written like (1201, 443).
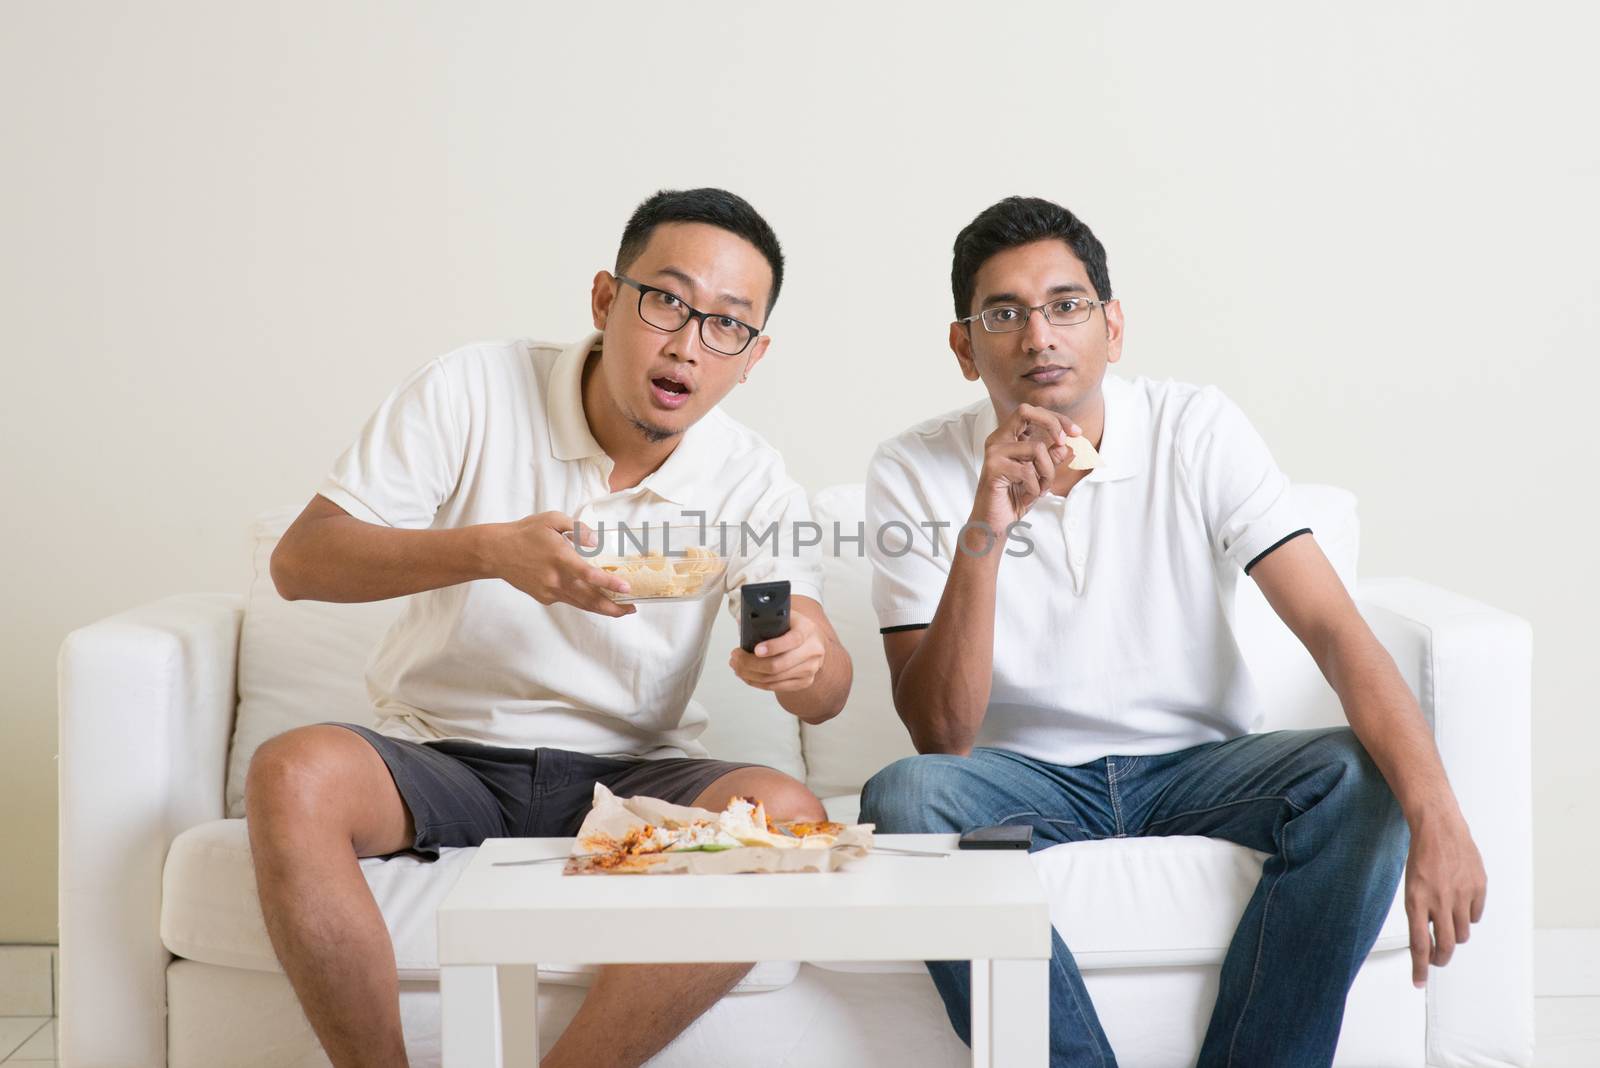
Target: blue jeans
(1312, 799)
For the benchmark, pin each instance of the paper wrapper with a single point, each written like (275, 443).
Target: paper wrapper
(613, 817)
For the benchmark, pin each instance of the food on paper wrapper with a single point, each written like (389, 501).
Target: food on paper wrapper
(642, 834)
(743, 823)
(746, 819)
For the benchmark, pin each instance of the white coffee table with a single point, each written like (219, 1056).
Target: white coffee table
(498, 923)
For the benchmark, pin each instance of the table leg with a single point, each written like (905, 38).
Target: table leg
(469, 1016)
(1010, 1013)
(519, 1014)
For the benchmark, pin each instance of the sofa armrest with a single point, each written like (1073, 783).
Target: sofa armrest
(1470, 666)
(146, 710)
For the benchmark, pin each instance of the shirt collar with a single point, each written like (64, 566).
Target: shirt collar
(1121, 450)
(571, 439)
(1121, 453)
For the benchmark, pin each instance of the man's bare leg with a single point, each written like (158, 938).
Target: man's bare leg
(634, 1010)
(317, 799)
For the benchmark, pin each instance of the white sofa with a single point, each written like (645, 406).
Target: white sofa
(165, 960)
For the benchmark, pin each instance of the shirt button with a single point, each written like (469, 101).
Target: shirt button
(1072, 524)
(1077, 561)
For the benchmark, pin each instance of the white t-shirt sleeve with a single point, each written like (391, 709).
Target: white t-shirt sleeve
(408, 458)
(790, 553)
(1242, 493)
(909, 564)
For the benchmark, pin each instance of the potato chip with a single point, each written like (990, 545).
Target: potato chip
(1084, 458)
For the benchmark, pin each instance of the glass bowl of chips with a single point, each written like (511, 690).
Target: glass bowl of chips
(660, 561)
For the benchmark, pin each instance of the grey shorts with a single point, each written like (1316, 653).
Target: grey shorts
(461, 792)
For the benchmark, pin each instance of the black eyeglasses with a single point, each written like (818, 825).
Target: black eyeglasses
(722, 334)
(1063, 311)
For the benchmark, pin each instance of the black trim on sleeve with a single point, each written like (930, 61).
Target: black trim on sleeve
(908, 626)
(1274, 545)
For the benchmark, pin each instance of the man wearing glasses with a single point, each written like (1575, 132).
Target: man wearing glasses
(513, 683)
(1089, 685)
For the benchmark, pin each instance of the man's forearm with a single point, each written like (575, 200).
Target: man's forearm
(826, 696)
(1387, 720)
(341, 558)
(943, 690)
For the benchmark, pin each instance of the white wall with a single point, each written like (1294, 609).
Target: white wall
(227, 230)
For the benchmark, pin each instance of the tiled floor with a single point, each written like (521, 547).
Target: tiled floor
(27, 1005)
(27, 1040)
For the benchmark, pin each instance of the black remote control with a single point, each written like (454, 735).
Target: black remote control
(764, 614)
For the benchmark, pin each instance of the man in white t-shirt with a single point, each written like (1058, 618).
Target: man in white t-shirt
(1057, 620)
(513, 682)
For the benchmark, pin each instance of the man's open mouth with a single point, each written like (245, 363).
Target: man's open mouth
(668, 392)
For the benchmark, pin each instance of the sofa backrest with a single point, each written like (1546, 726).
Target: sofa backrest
(304, 661)
(844, 752)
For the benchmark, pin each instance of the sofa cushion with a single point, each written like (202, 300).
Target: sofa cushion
(303, 662)
(300, 662)
(1141, 902)
(850, 748)
(742, 722)
(1118, 903)
(210, 912)
(844, 752)
(1293, 692)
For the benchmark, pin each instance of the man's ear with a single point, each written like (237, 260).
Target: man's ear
(961, 345)
(758, 349)
(601, 297)
(1113, 310)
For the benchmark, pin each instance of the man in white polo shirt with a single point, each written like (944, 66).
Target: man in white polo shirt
(1079, 674)
(513, 683)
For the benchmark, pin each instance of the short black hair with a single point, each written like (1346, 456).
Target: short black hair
(718, 207)
(1018, 221)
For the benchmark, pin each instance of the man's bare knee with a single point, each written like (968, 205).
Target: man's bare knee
(320, 782)
(783, 796)
(793, 800)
